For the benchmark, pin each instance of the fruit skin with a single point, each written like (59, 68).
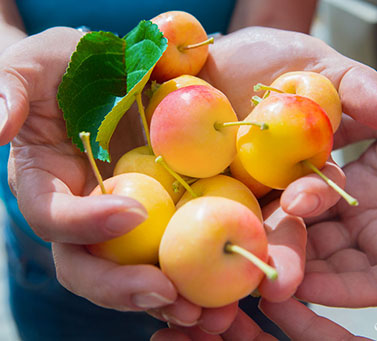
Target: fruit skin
(298, 130)
(239, 172)
(192, 251)
(316, 87)
(181, 29)
(226, 187)
(166, 88)
(183, 131)
(142, 160)
(140, 245)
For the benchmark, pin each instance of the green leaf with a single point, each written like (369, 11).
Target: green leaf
(95, 78)
(145, 45)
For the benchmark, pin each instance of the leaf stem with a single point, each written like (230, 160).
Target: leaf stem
(194, 46)
(269, 271)
(85, 138)
(350, 200)
(143, 119)
(160, 160)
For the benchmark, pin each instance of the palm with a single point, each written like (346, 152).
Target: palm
(341, 254)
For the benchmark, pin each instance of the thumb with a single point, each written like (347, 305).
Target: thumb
(14, 103)
(30, 72)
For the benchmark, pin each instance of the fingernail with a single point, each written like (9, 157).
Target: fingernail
(304, 204)
(150, 300)
(124, 221)
(3, 113)
(178, 322)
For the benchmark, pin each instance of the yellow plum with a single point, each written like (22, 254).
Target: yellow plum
(226, 187)
(142, 160)
(193, 251)
(299, 131)
(140, 245)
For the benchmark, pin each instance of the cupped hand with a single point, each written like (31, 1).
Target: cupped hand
(341, 253)
(297, 321)
(52, 179)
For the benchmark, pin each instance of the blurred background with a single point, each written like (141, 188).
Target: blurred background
(350, 26)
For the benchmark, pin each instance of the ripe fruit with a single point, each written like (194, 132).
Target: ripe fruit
(139, 246)
(186, 131)
(239, 172)
(226, 187)
(142, 160)
(166, 88)
(182, 55)
(316, 87)
(194, 255)
(299, 130)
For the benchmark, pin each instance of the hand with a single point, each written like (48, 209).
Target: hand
(51, 180)
(297, 321)
(341, 253)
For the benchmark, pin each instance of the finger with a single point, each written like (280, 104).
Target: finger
(347, 289)
(244, 328)
(57, 215)
(170, 334)
(217, 320)
(286, 247)
(300, 323)
(361, 80)
(134, 287)
(195, 333)
(351, 131)
(30, 79)
(181, 312)
(310, 195)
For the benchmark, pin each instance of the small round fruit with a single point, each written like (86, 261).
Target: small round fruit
(239, 172)
(184, 131)
(181, 29)
(140, 245)
(142, 160)
(299, 130)
(166, 88)
(193, 256)
(226, 187)
(316, 87)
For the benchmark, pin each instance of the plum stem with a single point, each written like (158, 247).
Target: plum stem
(144, 120)
(263, 126)
(194, 46)
(350, 200)
(269, 271)
(160, 160)
(260, 86)
(255, 100)
(85, 138)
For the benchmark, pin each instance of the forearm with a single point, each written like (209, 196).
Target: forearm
(11, 26)
(292, 15)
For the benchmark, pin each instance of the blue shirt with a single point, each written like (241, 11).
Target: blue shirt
(118, 16)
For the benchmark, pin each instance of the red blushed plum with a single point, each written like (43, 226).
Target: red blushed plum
(299, 132)
(186, 131)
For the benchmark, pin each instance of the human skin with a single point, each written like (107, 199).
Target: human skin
(47, 166)
(294, 318)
